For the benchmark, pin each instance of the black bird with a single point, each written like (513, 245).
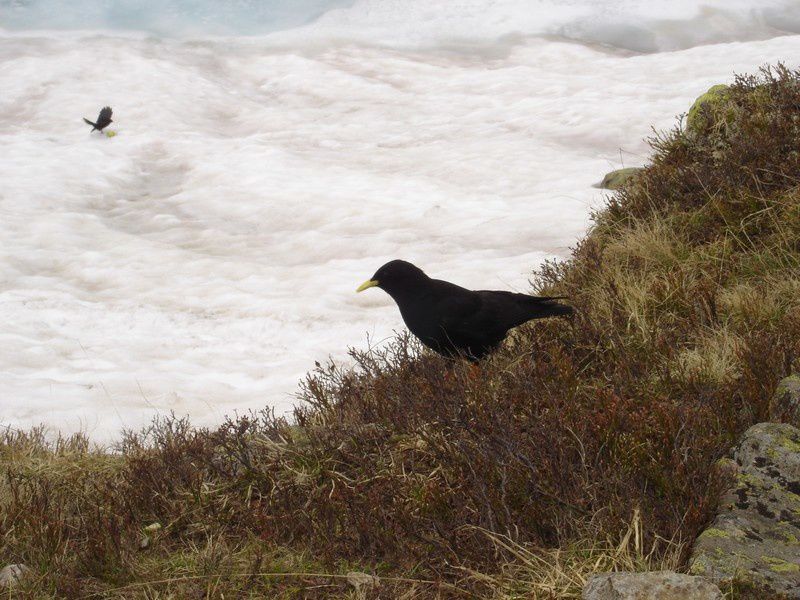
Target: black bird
(455, 321)
(103, 119)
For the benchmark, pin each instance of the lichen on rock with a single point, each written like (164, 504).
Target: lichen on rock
(753, 540)
(659, 585)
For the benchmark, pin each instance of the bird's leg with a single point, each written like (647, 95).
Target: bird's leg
(475, 371)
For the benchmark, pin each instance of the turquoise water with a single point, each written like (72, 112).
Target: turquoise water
(245, 17)
(635, 25)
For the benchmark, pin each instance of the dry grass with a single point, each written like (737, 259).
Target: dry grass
(515, 482)
(546, 573)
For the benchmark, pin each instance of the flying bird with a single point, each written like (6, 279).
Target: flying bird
(453, 320)
(103, 119)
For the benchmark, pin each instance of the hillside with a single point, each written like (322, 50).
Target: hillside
(582, 445)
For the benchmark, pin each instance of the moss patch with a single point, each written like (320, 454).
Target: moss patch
(780, 566)
(708, 108)
(711, 532)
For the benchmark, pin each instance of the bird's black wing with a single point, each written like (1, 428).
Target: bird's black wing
(481, 319)
(516, 309)
(104, 118)
(471, 322)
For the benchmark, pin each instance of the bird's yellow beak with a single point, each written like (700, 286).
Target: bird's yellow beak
(367, 284)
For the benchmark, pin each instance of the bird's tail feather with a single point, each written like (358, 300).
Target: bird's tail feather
(88, 122)
(548, 306)
(554, 309)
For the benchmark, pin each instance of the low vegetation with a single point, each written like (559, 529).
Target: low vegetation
(584, 444)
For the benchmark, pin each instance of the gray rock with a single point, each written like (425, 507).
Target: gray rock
(754, 542)
(147, 537)
(616, 179)
(362, 582)
(153, 528)
(659, 585)
(10, 575)
(785, 404)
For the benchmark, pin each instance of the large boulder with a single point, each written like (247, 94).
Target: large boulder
(660, 585)
(753, 544)
(616, 179)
